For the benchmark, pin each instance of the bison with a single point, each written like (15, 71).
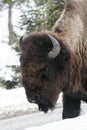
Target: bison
(56, 61)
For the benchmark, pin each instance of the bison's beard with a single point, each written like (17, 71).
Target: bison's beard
(44, 105)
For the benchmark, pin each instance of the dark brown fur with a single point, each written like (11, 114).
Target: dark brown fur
(44, 78)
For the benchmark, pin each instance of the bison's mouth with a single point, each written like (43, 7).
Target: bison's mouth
(44, 105)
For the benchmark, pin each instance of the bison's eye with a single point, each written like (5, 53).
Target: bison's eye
(46, 73)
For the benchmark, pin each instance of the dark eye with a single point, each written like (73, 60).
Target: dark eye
(46, 72)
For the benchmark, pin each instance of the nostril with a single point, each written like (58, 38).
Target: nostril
(33, 99)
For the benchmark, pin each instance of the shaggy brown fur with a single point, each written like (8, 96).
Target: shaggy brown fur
(44, 78)
(73, 26)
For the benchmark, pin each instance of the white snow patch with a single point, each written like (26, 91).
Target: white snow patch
(12, 101)
(8, 57)
(79, 123)
(15, 100)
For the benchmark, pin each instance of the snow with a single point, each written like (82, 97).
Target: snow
(13, 101)
(8, 57)
(79, 123)
(3, 29)
(4, 21)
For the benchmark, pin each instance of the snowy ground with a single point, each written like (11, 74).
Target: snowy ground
(79, 123)
(13, 103)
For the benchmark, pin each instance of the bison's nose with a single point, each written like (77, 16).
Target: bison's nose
(33, 99)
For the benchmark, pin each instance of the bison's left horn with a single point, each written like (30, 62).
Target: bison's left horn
(56, 48)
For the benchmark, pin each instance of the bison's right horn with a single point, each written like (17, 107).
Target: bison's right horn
(56, 48)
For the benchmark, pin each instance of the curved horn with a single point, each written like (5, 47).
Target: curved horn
(56, 47)
(22, 38)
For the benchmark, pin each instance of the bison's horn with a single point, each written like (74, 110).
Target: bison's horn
(56, 48)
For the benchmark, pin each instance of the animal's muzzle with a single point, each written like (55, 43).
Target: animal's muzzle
(32, 96)
(43, 103)
(33, 99)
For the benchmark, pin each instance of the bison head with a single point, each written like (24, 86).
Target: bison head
(41, 69)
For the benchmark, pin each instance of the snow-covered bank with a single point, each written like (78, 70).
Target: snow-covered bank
(14, 102)
(79, 123)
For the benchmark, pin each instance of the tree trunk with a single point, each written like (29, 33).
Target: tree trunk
(10, 26)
